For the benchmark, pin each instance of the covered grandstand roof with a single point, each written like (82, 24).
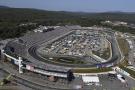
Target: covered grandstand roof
(38, 37)
(16, 47)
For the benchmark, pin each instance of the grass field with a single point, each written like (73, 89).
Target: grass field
(68, 60)
(104, 55)
(123, 44)
(94, 70)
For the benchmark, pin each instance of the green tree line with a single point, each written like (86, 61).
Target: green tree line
(11, 18)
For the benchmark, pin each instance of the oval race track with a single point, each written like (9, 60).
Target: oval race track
(114, 60)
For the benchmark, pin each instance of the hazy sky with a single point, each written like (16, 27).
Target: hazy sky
(74, 5)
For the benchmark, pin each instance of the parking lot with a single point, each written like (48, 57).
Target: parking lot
(79, 43)
(111, 83)
(131, 41)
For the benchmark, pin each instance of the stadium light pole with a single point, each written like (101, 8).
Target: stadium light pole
(20, 65)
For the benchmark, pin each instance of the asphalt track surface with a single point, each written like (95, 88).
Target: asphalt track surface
(116, 56)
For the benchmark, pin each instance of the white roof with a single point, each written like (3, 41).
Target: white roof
(119, 75)
(88, 79)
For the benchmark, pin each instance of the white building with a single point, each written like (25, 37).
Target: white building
(90, 80)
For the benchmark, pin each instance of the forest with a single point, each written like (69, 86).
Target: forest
(11, 18)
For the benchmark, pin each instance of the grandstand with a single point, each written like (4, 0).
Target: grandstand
(19, 48)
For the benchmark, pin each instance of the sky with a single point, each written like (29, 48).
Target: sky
(74, 5)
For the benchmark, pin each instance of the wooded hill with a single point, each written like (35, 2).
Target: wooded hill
(11, 18)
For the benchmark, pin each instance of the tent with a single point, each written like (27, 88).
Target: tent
(90, 79)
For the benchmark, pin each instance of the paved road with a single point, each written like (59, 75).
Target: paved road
(33, 82)
(110, 83)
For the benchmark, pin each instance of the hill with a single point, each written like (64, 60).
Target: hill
(4, 7)
(10, 18)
